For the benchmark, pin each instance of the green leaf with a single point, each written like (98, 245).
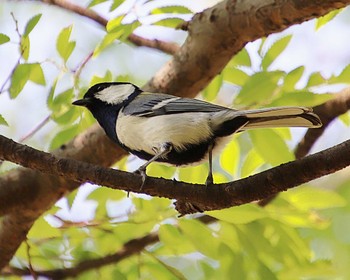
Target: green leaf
(292, 78)
(22, 74)
(251, 163)
(239, 215)
(212, 90)
(106, 78)
(25, 47)
(311, 198)
(63, 45)
(19, 78)
(107, 40)
(259, 87)
(114, 23)
(345, 118)
(315, 79)
(156, 170)
(200, 236)
(62, 110)
(3, 121)
(4, 38)
(51, 94)
(235, 76)
(230, 157)
(117, 31)
(171, 22)
(172, 238)
(42, 229)
(274, 51)
(31, 24)
(102, 195)
(344, 76)
(37, 74)
(194, 174)
(271, 146)
(301, 98)
(115, 4)
(96, 2)
(64, 136)
(325, 19)
(241, 59)
(175, 9)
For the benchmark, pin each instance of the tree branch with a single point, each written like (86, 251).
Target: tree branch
(130, 248)
(327, 112)
(213, 197)
(167, 47)
(217, 33)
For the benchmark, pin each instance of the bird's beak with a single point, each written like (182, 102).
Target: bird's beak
(82, 102)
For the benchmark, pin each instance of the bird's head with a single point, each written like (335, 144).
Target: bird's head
(113, 93)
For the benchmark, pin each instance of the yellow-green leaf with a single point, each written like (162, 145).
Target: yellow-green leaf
(230, 157)
(251, 163)
(315, 79)
(25, 47)
(235, 76)
(31, 24)
(239, 215)
(274, 51)
(301, 98)
(4, 38)
(3, 121)
(241, 59)
(171, 22)
(292, 78)
(271, 146)
(63, 136)
(212, 90)
(259, 87)
(174, 9)
(311, 198)
(22, 74)
(325, 19)
(63, 45)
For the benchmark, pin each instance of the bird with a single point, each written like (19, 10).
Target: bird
(178, 131)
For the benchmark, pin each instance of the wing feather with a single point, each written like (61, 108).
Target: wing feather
(156, 104)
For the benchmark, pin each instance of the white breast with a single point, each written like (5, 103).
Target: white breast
(142, 133)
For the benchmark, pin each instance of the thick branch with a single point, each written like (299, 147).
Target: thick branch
(218, 33)
(213, 197)
(166, 47)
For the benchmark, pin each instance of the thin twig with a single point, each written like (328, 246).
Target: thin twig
(18, 60)
(163, 46)
(35, 129)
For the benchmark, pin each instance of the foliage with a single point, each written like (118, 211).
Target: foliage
(302, 234)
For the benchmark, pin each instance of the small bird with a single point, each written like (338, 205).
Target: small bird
(174, 130)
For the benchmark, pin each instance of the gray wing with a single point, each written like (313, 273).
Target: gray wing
(156, 104)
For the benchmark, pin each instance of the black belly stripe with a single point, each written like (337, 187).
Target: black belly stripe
(193, 153)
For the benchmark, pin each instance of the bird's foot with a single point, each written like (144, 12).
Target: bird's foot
(209, 180)
(141, 171)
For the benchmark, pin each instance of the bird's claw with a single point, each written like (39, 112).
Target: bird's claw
(209, 180)
(142, 173)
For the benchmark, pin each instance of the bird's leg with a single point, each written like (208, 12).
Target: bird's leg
(162, 151)
(209, 180)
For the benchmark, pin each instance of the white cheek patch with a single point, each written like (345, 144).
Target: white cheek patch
(115, 94)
